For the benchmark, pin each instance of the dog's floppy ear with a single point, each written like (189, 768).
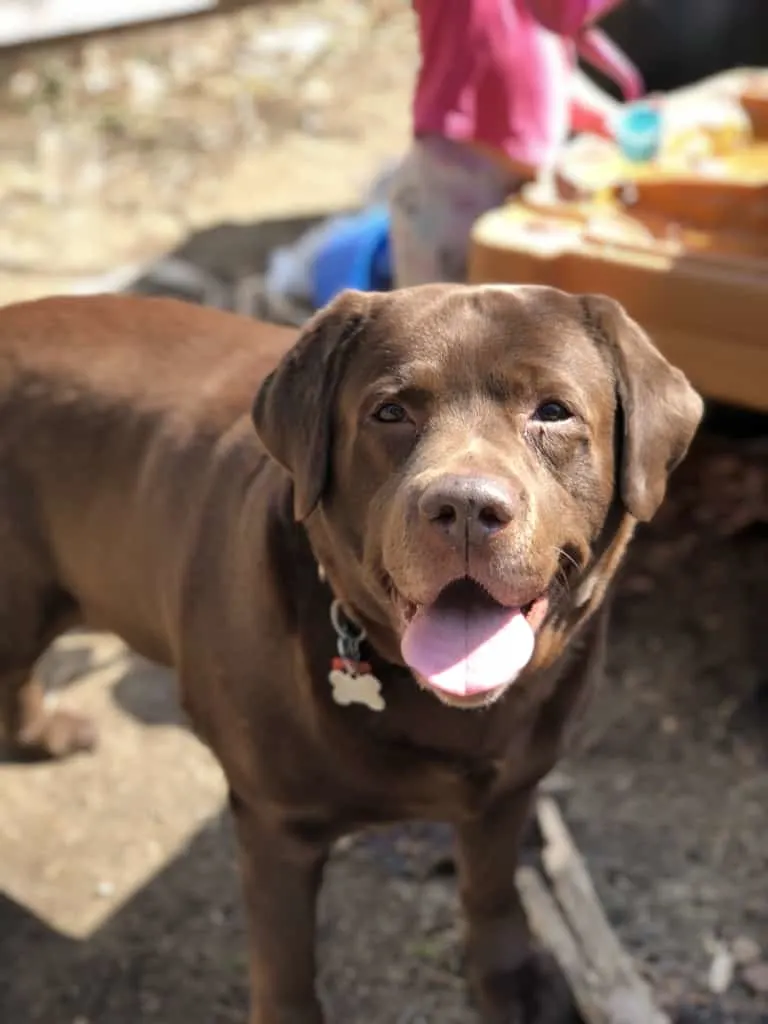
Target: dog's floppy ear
(659, 408)
(293, 410)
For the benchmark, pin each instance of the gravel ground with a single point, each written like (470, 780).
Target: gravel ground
(118, 892)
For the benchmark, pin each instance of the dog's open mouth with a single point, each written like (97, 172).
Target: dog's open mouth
(465, 643)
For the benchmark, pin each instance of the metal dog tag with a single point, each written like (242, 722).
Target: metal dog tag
(351, 679)
(355, 687)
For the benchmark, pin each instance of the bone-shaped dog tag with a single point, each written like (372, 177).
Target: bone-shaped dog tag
(350, 687)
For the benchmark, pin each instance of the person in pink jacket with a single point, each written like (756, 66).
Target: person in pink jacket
(497, 92)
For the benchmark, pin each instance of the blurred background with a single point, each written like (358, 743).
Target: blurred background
(182, 157)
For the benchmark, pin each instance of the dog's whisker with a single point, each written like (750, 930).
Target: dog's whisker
(562, 553)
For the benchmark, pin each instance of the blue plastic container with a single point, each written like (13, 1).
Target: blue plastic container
(353, 254)
(638, 132)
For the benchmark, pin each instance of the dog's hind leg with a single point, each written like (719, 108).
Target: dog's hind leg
(31, 728)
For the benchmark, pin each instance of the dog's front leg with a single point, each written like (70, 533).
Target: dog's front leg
(514, 983)
(281, 873)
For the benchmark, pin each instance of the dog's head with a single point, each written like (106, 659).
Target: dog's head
(457, 454)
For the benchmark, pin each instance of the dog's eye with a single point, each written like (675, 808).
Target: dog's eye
(552, 412)
(390, 412)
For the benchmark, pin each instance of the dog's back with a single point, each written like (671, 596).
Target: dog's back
(152, 355)
(113, 411)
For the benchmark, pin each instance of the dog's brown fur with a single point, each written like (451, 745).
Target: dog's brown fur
(135, 496)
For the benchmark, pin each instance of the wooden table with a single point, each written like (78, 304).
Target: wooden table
(709, 316)
(695, 278)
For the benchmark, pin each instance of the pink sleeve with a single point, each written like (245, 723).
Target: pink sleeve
(568, 17)
(572, 19)
(603, 54)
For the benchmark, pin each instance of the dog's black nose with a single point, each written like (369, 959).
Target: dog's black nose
(468, 507)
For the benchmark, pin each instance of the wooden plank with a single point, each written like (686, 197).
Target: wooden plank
(551, 930)
(628, 998)
(565, 916)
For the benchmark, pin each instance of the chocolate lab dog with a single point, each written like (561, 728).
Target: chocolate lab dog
(382, 603)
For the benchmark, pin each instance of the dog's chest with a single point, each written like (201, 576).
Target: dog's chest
(417, 758)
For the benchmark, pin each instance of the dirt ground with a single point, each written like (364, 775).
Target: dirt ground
(119, 900)
(115, 149)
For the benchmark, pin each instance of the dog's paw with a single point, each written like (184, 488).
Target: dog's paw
(534, 992)
(55, 734)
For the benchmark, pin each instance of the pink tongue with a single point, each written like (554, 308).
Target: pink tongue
(464, 652)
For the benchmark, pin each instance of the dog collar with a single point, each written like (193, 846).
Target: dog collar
(352, 680)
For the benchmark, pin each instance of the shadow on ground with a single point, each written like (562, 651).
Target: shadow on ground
(174, 952)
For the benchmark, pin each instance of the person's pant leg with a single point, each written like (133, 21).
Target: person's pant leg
(439, 191)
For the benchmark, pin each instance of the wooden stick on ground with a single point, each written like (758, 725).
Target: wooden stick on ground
(552, 931)
(566, 917)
